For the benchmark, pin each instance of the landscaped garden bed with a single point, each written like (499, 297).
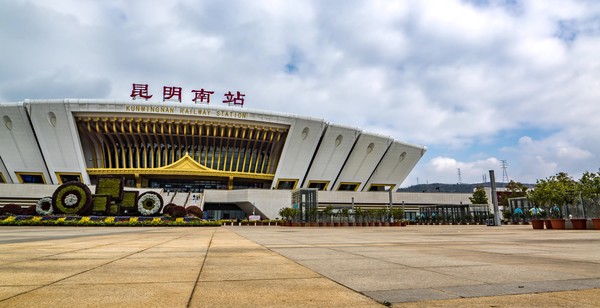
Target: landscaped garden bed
(105, 221)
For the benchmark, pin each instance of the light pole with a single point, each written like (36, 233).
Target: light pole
(497, 221)
(354, 216)
(582, 205)
(389, 214)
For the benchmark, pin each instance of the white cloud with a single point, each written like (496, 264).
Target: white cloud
(453, 75)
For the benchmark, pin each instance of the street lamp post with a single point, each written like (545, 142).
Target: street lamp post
(582, 205)
(389, 214)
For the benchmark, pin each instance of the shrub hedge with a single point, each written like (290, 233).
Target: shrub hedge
(11, 209)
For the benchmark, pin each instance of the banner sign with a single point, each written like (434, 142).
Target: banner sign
(139, 90)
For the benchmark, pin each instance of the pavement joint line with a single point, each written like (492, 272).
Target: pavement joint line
(536, 258)
(70, 251)
(106, 283)
(427, 269)
(271, 279)
(37, 239)
(90, 269)
(320, 276)
(568, 287)
(356, 254)
(201, 268)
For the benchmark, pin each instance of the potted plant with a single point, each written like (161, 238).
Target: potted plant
(290, 215)
(467, 219)
(345, 215)
(589, 188)
(371, 216)
(556, 219)
(518, 215)
(313, 217)
(328, 211)
(506, 215)
(536, 215)
(358, 214)
(397, 214)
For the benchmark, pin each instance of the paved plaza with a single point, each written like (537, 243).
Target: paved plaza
(414, 266)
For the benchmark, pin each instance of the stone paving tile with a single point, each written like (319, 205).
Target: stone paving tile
(353, 263)
(313, 253)
(141, 295)
(583, 299)
(245, 270)
(503, 273)
(394, 278)
(138, 261)
(408, 295)
(19, 275)
(114, 273)
(517, 288)
(10, 291)
(427, 261)
(159, 267)
(312, 292)
(433, 260)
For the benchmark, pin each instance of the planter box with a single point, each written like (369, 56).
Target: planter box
(558, 224)
(537, 224)
(579, 224)
(596, 223)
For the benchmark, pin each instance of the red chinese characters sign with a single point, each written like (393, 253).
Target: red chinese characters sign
(174, 94)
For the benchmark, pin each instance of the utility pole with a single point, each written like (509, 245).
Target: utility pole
(504, 165)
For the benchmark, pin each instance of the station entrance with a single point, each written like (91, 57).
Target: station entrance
(187, 185)
(217, 211)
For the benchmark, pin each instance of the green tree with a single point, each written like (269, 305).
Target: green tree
(346, 213)
(289, 213)
(328, 211)
(541, 195)
(589, 186)
(397, 213)
(358, 215)
(514, 190)
(564, 189)
(479, 196)
(558, 190)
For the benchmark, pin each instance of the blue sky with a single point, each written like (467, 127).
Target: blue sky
(476, 82)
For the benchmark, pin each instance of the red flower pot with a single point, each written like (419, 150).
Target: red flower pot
(596, 223)
(579, 224)
(537, 224)
(558, 224)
